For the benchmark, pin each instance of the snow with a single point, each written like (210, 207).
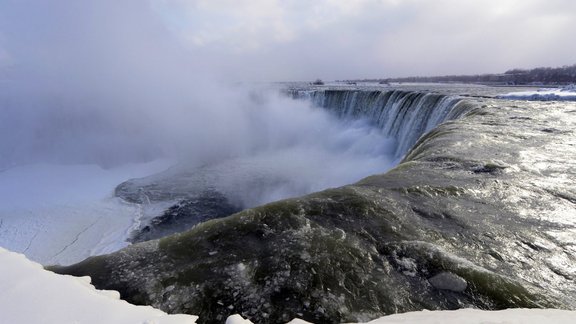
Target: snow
(476, 316)
(567, 93)
(61, 214)
(463, 316)
(30, 294)
(237, 319)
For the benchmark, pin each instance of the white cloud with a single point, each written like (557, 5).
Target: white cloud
(251, 25)
(244, 25)
(5, 58)
(328, 39)
(342, 38)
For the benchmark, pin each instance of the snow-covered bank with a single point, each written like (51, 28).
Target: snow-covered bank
(463, 316)
(30, 294)
(61, 214)
(475, 316)
(567, 93)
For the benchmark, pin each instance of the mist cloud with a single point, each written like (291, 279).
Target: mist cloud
(111, 82)
(82, 79)
(108, 83)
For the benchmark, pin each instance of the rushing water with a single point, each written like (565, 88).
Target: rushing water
(373, 130)
(401, 114)
(479, 213)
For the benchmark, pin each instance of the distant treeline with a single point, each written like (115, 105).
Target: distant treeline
(542, 75)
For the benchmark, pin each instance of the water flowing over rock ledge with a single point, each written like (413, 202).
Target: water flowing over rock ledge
(480, 213)
(196, 194)
(403, 115)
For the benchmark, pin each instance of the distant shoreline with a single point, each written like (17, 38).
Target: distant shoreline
(537, 77)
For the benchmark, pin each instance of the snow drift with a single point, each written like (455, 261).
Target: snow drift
(30, 294)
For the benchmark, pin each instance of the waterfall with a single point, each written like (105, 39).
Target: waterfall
(402, 115)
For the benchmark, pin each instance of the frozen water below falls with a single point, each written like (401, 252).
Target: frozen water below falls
(61, 214)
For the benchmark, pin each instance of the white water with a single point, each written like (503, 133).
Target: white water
(401, 115)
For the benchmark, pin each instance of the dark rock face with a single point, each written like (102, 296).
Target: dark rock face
(481, 213)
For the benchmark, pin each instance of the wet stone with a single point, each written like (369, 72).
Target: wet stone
(448, 281)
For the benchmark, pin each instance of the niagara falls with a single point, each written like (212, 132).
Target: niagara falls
(370, 161)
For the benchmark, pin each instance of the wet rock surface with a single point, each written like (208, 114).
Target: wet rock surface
(448, 281)
(480, 213)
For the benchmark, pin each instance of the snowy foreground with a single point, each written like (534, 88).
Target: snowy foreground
(30, 294)
(561, 94)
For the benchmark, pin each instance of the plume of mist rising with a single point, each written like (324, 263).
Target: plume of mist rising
(103, 82)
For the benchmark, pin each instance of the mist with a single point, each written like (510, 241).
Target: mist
(106, 83)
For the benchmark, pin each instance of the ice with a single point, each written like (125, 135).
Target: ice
(65, 213)
(567, 93)
(476, 316)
